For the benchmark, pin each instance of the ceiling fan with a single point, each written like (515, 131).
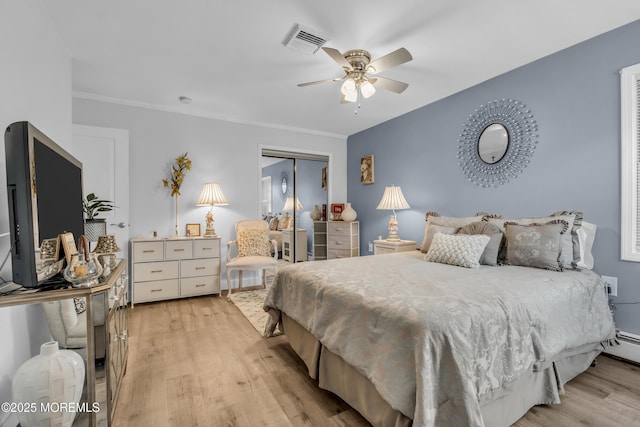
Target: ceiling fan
(361, 73)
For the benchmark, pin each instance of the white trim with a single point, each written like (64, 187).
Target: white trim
(200, 113)
(630, 217)
(628, 349)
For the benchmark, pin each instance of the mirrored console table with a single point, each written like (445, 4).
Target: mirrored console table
(106, 331)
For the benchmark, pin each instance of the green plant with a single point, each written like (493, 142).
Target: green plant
(93, 206)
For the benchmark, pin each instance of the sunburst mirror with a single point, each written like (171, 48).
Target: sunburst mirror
(497, 142)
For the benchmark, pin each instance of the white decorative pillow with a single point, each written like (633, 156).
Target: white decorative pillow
(443, 224)
(430, 230)
(253, 242)
(586, 235)
(458, 249)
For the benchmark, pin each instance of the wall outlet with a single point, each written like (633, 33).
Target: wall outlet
(370, 247)
(611, 283)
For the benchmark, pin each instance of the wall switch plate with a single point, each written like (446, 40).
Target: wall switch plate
(611, 283)
(370, 247)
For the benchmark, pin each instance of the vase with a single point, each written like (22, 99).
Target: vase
(348, 214)
(176, 230)
(315, 213)
(49, 380)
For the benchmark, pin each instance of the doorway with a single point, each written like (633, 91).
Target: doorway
(299, 185)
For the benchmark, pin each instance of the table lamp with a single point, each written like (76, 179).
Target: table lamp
(393, 199)
(211, 195)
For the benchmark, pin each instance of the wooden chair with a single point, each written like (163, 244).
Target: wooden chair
(254, 251)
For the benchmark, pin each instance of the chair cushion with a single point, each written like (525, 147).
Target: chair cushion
(252, 262)
(252, 242)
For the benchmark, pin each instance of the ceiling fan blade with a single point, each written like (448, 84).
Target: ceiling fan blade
(318, 82)
(338, 57)
(390, 60)
(389, 84)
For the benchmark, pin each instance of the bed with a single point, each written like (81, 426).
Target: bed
(410, 342)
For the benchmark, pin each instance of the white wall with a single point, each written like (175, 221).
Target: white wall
(221, 151)
(35, 85)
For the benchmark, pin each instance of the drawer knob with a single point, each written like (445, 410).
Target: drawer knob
(201, 285)
(206, 249)
(148, 251)
(156, 290)
(156, 271)
(200, 268)
(179, 250)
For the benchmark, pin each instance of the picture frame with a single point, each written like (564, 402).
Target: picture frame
(336, 211)
(193, 230)
(50, 249)
(68, 245)
(367, 169)
(324, 178)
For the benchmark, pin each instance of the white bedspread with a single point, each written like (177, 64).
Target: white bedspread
(436, 339)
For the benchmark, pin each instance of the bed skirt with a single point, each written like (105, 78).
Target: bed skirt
(499, 410)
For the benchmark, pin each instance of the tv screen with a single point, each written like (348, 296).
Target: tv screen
(44, 187)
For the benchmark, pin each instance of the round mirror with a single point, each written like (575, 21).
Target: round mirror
(493, 143)
(284, 185)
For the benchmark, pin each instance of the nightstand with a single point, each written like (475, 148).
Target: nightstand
(381, 247)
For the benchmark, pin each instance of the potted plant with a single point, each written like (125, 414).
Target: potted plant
(92, 206)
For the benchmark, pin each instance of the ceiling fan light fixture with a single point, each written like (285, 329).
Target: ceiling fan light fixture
(367, 89)
(348, 87)
(351, 96)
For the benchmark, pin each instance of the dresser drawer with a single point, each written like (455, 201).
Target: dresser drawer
(339, 242)
(156, 290)
(338, 228)
(206, 248)
(199, 267)
(148, 251)
(342, 253)
(146, 271)
(200, 285)
(178, 249)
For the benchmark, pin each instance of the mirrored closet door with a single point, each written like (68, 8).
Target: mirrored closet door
(293, 198)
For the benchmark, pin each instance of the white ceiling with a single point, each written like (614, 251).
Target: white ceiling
(229, 57)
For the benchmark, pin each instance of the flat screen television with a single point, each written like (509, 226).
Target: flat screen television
(44, 189)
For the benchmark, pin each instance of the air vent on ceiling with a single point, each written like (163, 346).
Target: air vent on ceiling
(304, 39)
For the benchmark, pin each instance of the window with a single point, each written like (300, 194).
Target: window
(630, 164)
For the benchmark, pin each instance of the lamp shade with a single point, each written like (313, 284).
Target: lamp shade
(393, 199)
(211, 195)
(288, 204)
(107, 245)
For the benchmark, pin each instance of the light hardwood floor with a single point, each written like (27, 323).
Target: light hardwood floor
(199, 362)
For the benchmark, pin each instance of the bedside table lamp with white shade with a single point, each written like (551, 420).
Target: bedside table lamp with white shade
(211, 195)
(288, 207)
(393, 199)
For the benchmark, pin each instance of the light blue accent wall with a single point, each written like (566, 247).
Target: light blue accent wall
(574, 96)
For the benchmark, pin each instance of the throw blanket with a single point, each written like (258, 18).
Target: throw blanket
(434, 339)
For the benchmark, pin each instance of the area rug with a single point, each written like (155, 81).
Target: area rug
(250, 305)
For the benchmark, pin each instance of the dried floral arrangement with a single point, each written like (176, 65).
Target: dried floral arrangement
(178, 171)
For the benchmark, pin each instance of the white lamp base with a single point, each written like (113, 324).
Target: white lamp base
(393, 230)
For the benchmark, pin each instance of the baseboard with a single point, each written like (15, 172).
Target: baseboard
(628, 349)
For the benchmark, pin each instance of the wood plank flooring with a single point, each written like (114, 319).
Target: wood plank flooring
(199, 362)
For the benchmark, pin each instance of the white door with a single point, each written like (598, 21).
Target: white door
(104, 153)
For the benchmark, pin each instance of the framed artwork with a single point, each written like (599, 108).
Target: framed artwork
(193, 230)
(336, 211)
(324, 178)
(366, 170)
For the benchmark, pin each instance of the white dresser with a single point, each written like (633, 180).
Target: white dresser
(174, 268)
(343, 239)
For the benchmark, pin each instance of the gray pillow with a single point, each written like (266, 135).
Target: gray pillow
(490, 254)
(535, 245)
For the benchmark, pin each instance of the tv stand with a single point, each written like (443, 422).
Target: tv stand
(111, 293)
